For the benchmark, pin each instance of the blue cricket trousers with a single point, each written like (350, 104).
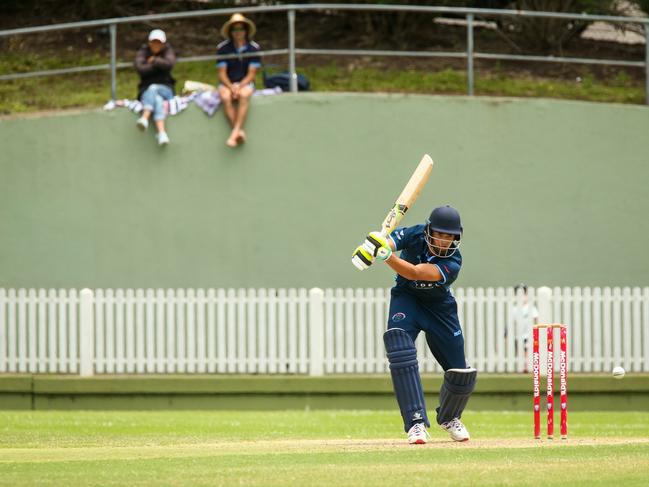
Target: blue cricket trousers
(437, 319)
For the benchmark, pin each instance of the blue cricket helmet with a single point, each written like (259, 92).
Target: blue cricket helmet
(445, 219)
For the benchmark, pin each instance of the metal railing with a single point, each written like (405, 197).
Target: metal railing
(292, 51)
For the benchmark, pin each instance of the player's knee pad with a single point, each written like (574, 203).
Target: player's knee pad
(404, 369)
(455, 392)
(400, 349)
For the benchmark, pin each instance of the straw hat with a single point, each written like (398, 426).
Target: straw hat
(238, 19)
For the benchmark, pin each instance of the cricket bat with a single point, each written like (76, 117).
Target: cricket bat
(405, 200)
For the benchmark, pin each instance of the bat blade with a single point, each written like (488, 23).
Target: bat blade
(408, 196)
(404, 202)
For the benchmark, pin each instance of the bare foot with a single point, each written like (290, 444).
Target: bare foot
(231, 142)
(241, 137)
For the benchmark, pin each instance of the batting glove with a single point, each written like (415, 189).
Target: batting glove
(384, 253)
(374, 241)
(362, 258)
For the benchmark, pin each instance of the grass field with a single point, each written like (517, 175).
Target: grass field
(342, 448)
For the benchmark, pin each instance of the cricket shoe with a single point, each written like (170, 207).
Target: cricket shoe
(456, 429)
(417, 435)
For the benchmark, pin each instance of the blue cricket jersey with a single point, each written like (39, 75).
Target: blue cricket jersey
(237, 68)
(411, 242)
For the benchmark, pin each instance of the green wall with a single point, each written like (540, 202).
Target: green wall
(551, 192)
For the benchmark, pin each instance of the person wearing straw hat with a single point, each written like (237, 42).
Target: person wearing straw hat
(237, 73)
(154, 62)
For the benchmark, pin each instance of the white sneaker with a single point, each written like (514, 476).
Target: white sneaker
(456, 429)
(417, 435)
(142, 123)
(163, 138)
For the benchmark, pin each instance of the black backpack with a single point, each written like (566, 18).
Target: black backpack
(282, 80)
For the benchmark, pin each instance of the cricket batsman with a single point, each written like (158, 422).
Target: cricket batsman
(421, 300)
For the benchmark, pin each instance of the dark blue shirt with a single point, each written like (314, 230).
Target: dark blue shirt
(411, 242)
(237, 68)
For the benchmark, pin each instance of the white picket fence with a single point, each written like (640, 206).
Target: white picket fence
(295, 331)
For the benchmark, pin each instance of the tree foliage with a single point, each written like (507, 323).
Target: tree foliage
(403, 30)
(544, 34)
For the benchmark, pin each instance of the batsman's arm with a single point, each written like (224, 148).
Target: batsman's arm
(414, 272)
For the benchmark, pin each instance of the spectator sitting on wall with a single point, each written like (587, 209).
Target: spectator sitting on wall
(154, 62)
(237, 75)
